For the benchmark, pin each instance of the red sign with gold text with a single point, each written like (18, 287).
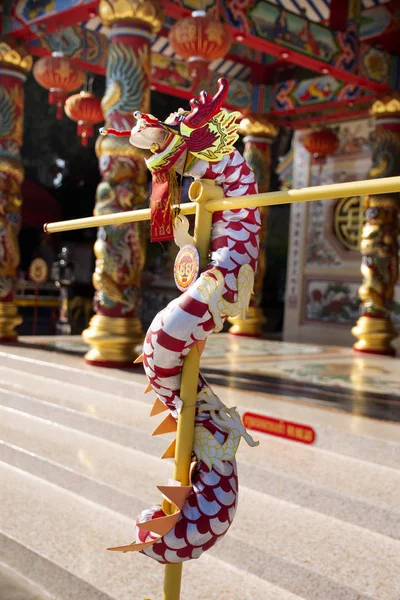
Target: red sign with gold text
(284, 429)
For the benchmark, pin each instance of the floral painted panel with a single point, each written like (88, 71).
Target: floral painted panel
(330, 301)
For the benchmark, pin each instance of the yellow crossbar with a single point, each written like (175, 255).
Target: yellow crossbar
(386, 185)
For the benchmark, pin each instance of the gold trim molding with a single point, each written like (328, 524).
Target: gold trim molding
(143, 12)
(387, 106)
(15, 54)
(257, 125)
(9, 320)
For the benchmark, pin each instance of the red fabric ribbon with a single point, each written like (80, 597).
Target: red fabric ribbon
(161, 207)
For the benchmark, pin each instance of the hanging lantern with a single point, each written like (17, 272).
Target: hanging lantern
(321, 143)
(200, 39)
(85, 108)
(58, 74)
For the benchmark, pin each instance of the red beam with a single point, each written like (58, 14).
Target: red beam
(58, 20)
(303, 123)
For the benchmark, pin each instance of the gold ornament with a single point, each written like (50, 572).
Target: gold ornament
(14, 53)
(257, 125)
(349, 221)
(145, 13)
(374, 335)
(38, 270)
(9, 320)
(251, 325)
(387, 106)
(155, 147)
(113, 340)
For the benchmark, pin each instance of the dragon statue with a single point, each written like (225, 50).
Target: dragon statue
(197, 144)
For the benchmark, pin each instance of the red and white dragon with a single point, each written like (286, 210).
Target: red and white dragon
(199, 144)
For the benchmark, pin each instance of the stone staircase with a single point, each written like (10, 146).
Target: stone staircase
(78, 463)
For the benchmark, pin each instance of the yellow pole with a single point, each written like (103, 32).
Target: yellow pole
(129, 216)
(385, 185)
(199, 193)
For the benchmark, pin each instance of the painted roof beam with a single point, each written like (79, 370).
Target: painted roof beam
(294, 39)
(299, 41)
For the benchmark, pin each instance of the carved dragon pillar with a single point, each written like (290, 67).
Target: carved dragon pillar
(15, 62)
(259, 134)
(379, 245)
(115, 330)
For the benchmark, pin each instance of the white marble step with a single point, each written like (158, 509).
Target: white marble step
(310, 555)
(125, 479)
(61, 532)
(329, 557)
(86, 420)
(72, 369)
(341, 433)
(14, 586)
(106, 405)
(84, 442)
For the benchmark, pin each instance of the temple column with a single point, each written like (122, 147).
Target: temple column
(259, 134)
(379, 244)
(115, 330)
(15, 62)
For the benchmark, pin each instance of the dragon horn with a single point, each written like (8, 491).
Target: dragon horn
(204, 108)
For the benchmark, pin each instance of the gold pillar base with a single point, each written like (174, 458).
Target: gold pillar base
(113, 341)
(374, 336)
(9, 320)
(252, 326)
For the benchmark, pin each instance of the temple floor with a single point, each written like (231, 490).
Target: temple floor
(315, 521)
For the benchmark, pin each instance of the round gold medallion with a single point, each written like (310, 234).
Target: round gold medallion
(38, 270)
(186, 267)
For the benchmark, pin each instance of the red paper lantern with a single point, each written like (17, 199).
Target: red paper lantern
(200, 39)
(321, 143)
(58, 74)
(85, 108)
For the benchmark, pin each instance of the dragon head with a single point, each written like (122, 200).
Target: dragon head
(191, 126)
(229, 419)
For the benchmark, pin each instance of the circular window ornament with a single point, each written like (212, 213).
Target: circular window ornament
(38, 270)
(349, 221)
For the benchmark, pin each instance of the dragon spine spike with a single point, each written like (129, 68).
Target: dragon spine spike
(160, 526)
(148, 389)
(170, 451)
(176, 493)
(139, 359)
(158, 407)
(168, 425)
(134, 547)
